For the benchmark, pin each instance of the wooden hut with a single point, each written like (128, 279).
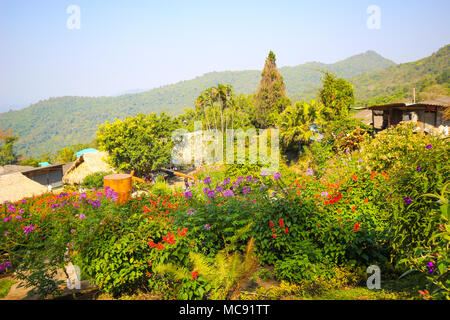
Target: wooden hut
(85, 165)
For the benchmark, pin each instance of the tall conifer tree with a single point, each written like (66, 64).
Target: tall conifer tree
(271, 98)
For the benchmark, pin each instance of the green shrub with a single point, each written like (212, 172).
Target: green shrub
(161, 189)
(95, 180)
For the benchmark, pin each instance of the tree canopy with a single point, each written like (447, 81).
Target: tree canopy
(141, 143)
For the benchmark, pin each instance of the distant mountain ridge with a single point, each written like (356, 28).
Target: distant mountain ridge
(49, 125)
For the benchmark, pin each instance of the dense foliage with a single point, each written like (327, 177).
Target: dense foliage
(64, 121)
(141, 143)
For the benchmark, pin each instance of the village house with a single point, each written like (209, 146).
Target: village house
(431, 115)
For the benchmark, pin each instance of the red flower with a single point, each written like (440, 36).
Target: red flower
(182, 233)
(281, 223)
(366, 200)
(354, 177)
(170, 238)
(353, 208)
(194, 275)
(356, 227)
(286, 230)
(274, 235)
(271, 224)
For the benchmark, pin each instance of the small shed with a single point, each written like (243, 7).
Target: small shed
(431, 114)
(49, 175)
(16, 186)
(86, 164)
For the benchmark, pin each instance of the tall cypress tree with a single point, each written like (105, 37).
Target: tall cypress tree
(270, 98)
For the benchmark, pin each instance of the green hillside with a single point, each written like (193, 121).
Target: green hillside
(430, 76)
(49, 125)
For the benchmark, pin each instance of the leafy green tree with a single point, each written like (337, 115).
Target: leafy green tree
(271, 98)
(141, 143)
(30, 162)
(337, 95)
(295, 123)
(66, 155)
(7, 140)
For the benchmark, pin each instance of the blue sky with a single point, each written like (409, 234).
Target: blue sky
(135, 44)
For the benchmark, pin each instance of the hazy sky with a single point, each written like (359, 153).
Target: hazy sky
(129, 44)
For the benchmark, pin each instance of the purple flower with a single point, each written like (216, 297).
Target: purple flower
(19, 217)
(28, 229)
(429, 146)
(226, 181)
(264, 173)
(419, 169)
(277, 176)
(188, 194)
(72, 231)
(430, 266)
(6, 233)
(83, 196)
(309, 172)
(249, 178)
(82, 216)
(207, 227)
(190, 212)
(240, 179)
(207, 180)
(256, 180)
(219, 188)
(246, 190)
(408, 200)
(11, 208)
(7, 219)
(228, 193)
(21, 211)
(206, 190)
(211, 194)
(324, 194)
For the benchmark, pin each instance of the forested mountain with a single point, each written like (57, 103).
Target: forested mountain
(430, 76)
(49, 125)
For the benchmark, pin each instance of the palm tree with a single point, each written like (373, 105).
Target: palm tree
(296, 121)
(206, 102)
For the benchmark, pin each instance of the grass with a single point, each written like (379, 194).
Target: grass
(5, 286)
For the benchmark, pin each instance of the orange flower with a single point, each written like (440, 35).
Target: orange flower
(356, 227)
(194, 275)
(354, 177)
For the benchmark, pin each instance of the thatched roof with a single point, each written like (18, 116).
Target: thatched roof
(85, 165)
(9, 168)
(15, 186)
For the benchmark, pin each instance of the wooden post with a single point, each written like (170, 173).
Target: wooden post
(120, 183)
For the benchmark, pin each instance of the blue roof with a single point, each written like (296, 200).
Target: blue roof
(89, 150)
(44, 164)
